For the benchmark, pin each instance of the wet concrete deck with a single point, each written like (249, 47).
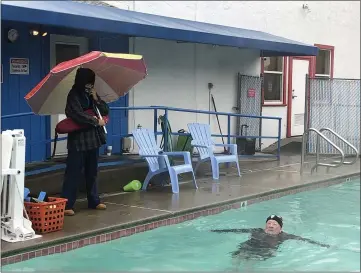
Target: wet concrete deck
(259, 177)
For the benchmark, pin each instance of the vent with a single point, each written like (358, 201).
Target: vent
(299, 119)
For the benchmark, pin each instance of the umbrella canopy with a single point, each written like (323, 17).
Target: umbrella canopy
(115, 74)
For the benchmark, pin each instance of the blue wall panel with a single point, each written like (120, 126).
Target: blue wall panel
(15, 87)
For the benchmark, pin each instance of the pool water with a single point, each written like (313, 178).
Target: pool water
(329, 215)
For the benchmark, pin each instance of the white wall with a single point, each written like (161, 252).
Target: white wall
(335, 23)
(179, 74)
(270, 127)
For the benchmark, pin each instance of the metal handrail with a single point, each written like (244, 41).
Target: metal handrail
(319, 134)
(166, 110)
(344, 141)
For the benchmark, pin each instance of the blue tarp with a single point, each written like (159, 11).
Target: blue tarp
(108, 19)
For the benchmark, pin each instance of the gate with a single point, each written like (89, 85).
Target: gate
(249, 102)
(334, 104)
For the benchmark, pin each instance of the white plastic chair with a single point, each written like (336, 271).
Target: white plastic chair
(158, 161)
(202, 140)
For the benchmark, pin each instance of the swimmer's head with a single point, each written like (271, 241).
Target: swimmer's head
(274, 224)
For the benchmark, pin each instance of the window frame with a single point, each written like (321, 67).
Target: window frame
(283, 91)
(331, 49)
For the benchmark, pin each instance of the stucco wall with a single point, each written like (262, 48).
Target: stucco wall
(179, 74)
(335, 23)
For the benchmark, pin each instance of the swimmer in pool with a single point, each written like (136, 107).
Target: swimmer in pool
(264, 243)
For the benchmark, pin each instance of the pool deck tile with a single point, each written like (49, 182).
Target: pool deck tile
(130, 213)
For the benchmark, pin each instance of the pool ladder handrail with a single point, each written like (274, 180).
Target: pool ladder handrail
(319, 134)
(344, 141)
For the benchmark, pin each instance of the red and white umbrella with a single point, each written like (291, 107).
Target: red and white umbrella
(115, 74)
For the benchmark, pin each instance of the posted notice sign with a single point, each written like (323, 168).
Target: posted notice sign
(251, 93)
(19, 66)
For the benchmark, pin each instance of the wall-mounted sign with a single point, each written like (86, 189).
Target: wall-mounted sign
(251, 93)
(19, 66)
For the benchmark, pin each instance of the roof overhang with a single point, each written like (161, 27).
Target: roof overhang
(77, 15)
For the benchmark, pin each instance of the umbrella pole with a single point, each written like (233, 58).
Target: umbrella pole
(100, 116)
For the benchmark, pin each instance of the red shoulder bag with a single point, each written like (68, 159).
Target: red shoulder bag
(68, 125)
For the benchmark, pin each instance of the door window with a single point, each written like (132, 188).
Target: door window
(66, 52)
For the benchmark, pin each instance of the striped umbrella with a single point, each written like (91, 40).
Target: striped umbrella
(115, 74)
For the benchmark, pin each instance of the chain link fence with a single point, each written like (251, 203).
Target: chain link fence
(334, 104)
(250, 103)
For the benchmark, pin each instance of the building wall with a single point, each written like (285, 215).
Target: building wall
(335, 23)
(15, 87)
(179, 74)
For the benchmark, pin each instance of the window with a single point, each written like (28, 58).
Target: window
(273, 79)
(66, 52)
(323, 70)
(323, 64)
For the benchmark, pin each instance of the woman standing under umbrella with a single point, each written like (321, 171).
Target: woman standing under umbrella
(116, 74)
(83, 145)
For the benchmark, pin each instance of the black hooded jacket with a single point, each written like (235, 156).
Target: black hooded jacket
(79, 101)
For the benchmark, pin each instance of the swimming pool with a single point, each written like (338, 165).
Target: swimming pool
(328, 215)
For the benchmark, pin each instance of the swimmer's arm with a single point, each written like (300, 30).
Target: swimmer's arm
(294, 237)
(241, 230)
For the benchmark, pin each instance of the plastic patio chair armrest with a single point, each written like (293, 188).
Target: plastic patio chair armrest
(186, 156)
(210, 148)
(165, 157)
(200, 146)
(152, 155)
(232, 146)
(175, 153)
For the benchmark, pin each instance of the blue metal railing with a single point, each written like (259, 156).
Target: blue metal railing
(173, 109)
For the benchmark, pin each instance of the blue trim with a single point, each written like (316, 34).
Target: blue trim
(45, 170)
(62, 166)
(107, 19)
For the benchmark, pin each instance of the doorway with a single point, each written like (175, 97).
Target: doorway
(299, 68)
(64, 48)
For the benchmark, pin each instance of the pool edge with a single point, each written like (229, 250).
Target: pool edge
(73, 242)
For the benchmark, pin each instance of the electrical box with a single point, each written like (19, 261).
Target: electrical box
(126, 144)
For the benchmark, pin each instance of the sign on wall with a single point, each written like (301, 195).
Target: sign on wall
(19, 66)
(251, 93)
